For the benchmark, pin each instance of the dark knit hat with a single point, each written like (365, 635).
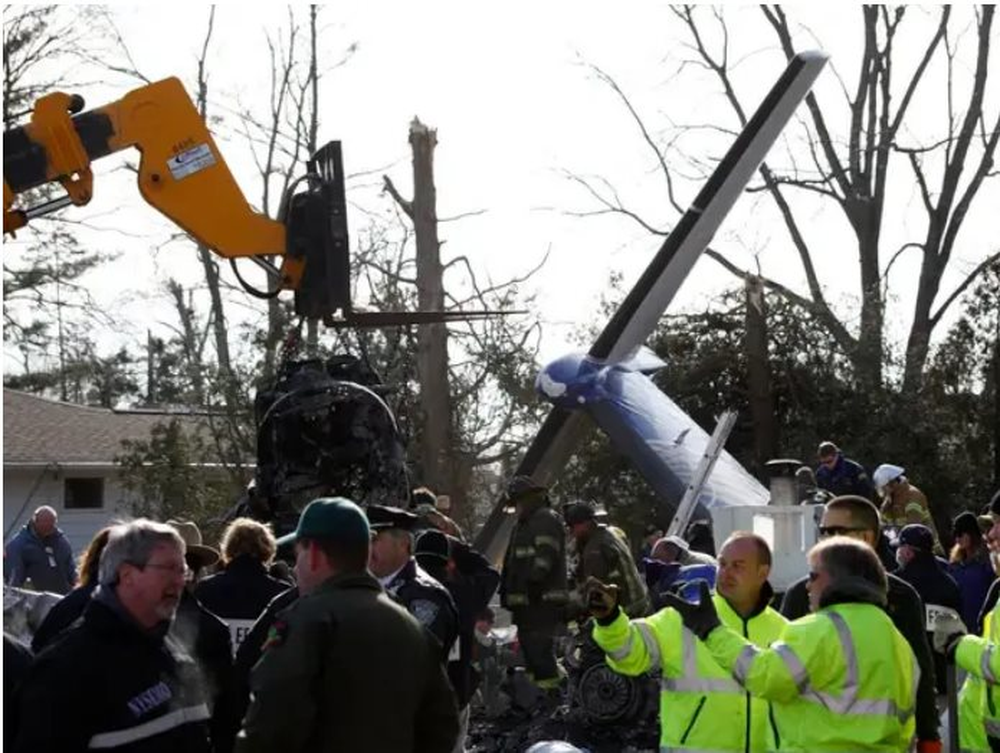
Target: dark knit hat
(966, 523)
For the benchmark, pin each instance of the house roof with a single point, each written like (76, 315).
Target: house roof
(38, 430)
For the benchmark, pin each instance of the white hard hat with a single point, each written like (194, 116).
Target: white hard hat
(886, 473)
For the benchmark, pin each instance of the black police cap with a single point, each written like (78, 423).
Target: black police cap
(381, 517)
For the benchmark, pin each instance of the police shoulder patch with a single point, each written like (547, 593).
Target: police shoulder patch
(276, 635)
(424, 610)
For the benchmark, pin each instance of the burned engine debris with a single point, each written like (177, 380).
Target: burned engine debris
(324, 429)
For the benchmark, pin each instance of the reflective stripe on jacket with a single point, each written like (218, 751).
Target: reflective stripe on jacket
(701, 706)
(841, 679)
(980, 657)
(906, 504)
(534, 567)
(608, 559)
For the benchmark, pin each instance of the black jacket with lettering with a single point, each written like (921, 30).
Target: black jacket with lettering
(108, 685)
(239, 594)
(428, 601)
(247, 655)
(242, 591)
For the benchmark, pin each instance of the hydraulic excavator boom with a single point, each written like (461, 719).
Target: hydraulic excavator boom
(184, 176)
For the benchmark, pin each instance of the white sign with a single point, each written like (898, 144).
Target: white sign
(935, 612)
(191, 161)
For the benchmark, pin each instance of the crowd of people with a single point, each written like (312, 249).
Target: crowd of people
(373, 639)
(854, 656)
(167, 644)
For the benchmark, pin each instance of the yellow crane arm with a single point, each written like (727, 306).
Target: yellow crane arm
(181, 171)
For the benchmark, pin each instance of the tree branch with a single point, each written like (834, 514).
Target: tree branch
(969, 279)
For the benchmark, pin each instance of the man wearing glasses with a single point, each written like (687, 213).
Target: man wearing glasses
(839, 679)
(118, 681)
(857, 518)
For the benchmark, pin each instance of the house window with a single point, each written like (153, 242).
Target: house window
(83, 493)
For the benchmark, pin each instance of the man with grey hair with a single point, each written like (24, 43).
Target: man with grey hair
(118, 681)
(41, 554)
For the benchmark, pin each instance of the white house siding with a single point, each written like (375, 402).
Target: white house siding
(78, 525)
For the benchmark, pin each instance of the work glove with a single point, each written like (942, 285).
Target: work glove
(602, 600)
(699, 617)
(948, 630)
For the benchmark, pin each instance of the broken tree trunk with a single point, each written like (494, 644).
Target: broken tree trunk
(759, 387)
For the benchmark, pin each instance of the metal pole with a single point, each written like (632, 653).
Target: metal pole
(952, 689)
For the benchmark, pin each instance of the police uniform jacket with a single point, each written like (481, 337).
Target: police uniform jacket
(109, 685)
(346, 669)
(427, 600)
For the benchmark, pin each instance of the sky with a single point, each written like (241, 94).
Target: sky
(516, 106)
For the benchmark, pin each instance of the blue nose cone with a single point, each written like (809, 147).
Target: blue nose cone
(566, 381)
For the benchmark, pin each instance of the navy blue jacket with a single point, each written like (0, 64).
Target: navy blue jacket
(927, 574)
(846, 477)
(108, 684)
(427, 600)
(239, 594)
(974, 578)
(47, 563)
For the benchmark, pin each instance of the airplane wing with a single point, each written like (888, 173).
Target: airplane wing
(639, 314)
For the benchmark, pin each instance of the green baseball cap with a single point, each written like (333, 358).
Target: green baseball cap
(330, 518)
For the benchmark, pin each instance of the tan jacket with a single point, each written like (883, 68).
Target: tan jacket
(906, 504)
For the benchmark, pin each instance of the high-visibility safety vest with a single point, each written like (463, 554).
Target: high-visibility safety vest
(980, 657)
(971, 706)
(840, 679)
(701, 707)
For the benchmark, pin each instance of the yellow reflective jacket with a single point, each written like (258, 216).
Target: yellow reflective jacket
(980, 657)
(701, 706)
(841, 679)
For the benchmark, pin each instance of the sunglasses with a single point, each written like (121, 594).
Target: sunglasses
(826, 531)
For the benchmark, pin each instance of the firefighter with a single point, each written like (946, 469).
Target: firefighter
(840, 679)
(534, 580)
(696, 692)
(605, 557)
(902, 502)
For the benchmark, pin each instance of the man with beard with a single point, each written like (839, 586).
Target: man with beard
(118, 681)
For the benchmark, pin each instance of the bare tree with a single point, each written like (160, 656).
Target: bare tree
(469, 406)
(853, 171)
(432, 339)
